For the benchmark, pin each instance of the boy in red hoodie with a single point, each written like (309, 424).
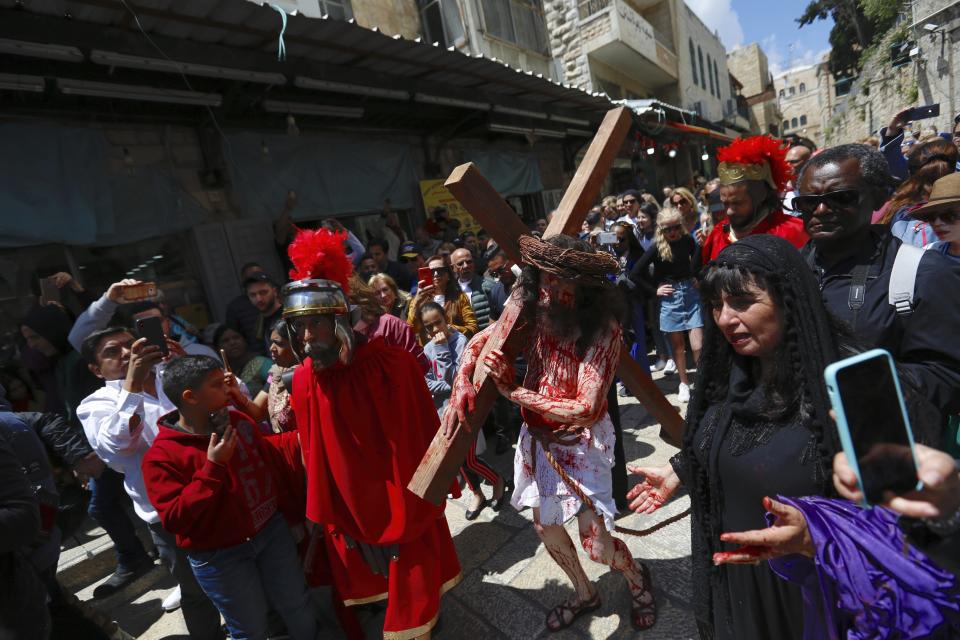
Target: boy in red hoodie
(223, 491)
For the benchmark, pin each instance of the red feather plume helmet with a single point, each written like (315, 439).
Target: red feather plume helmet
(755, 158)
(320, 254)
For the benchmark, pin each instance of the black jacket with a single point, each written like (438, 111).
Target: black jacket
(924, 343)
(64, 439)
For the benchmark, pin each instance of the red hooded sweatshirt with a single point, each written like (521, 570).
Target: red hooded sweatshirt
(212, 506)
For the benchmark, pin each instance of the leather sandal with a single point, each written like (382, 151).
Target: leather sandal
(560, 612)
(643, 615)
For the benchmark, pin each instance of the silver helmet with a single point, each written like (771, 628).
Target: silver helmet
(320, 297)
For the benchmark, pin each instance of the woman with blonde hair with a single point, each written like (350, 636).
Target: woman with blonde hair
(672, 256)
(683, 201)
(927, 162)
(394, 301)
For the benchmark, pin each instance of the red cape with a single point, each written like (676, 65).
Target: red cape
(364, 429)
(776, 224)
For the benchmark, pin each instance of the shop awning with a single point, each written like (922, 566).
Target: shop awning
(238, 40)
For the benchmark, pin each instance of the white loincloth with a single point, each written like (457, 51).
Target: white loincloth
(588, 463)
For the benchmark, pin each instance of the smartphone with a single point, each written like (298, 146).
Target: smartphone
(152, 329)
(137, 292)
(922, 113)
(873, 424)
(607, 237)
(49, 291)
(425, 274)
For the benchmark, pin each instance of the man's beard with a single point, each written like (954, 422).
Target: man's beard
(562, 320)
(322, 355)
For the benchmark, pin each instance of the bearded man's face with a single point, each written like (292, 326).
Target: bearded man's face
(558, 301)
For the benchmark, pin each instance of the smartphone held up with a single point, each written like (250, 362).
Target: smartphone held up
(151, 328)
(873, 424)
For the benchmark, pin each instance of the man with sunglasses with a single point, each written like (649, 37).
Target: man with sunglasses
(838, 191)
(753, 172)
(631, 207)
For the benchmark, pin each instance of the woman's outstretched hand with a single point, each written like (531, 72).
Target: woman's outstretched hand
(658, 485)
(788, 535)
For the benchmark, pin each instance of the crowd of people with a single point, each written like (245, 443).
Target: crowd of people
(254, 456)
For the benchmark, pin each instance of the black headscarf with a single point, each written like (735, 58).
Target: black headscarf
(728, 387)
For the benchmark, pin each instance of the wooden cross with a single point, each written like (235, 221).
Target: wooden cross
(444, 457)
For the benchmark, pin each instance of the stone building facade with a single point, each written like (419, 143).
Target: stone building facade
(632, 50)
(805, 99)
(929, 31)
(749, 66)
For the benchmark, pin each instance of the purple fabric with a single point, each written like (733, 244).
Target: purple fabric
(867, 584)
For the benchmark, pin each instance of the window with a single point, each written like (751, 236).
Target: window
(516, 21)
(803, 121)
(782, 93)
(693, 62)
(337, 9)
(803, 87)
(786, 125)
(793, 123)
(716, 79)
(441, 21)
(793, 90)
(710, 73)
(703, 76)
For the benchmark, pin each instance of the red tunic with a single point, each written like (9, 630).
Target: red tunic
(776, 224)
(363, 430)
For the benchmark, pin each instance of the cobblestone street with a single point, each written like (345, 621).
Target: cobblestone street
(509, 581)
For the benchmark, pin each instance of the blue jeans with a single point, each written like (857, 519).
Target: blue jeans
(107, 506)
(247, 580)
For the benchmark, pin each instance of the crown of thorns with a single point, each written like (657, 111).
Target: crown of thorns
(581, 267)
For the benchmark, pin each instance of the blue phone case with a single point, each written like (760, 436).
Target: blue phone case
(830, 374)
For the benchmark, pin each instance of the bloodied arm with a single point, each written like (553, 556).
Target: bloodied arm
(595, 376)
(464, 393)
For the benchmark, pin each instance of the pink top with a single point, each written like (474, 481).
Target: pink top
(396, 333)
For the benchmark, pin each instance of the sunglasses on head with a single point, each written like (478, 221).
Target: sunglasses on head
(946, 217)
(834, 200)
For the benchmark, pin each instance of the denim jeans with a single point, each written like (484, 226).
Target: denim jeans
(247, 580)
(107, 506)
(199, 614)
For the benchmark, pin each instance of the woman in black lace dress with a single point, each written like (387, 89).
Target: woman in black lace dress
(758, 425)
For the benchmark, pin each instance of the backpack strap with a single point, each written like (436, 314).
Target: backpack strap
(858, 290)
(903, 278)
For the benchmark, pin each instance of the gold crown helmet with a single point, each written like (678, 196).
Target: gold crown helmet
(754, 158)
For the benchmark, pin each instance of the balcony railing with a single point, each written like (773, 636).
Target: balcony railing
(589, 8)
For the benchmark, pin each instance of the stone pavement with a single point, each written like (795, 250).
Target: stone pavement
(509, 581)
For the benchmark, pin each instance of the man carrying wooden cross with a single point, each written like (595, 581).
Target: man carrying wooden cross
(572, 355)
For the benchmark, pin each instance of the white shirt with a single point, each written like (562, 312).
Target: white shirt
(465, 287)
(105, 415)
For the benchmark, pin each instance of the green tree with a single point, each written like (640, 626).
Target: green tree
(856, 24)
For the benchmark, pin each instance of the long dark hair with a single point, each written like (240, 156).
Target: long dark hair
(634, 248)
(795, 386)
(595, 308)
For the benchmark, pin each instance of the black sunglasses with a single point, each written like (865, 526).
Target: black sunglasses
(834, 200)
(673, 227)
(947, 217)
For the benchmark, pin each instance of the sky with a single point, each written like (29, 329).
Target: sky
(772, 23)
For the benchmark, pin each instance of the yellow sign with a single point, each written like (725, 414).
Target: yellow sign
(435, 195)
